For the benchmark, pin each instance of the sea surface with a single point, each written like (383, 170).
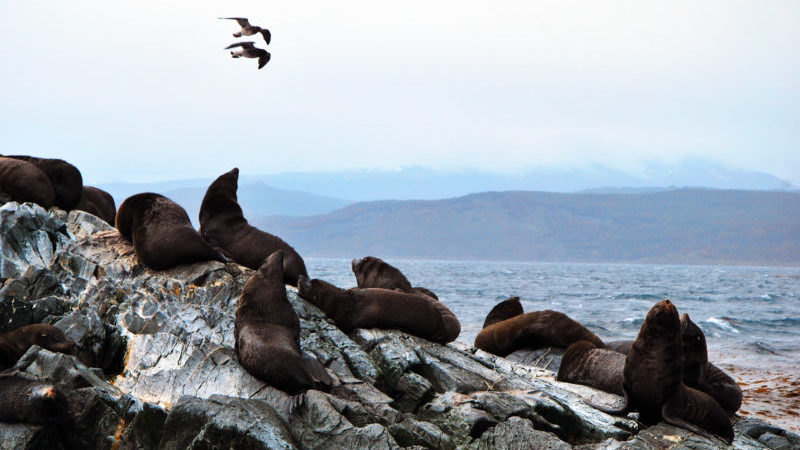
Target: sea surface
(750, 315)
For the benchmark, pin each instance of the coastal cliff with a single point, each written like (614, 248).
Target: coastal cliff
(157, 367)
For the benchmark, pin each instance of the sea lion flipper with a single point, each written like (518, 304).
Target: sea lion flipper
(294, 402)
(322, 380)
(672, 411)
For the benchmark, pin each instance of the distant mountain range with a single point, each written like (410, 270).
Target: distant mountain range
(298, 194)
(686, 226)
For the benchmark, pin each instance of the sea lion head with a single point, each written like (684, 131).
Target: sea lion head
(694, 354)
(305, 289)
(503, 310)
(314, 291)
(662, 318)
(227, 183)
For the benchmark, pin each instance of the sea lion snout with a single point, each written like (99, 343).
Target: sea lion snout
(354, 264)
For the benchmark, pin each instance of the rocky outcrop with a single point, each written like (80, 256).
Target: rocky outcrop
(158, 370)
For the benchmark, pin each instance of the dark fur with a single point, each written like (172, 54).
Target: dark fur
(503, 310)
(15, 343)
(532, 330)
(162, 233)
(652, 379)
(697, 372)
(412, 313)
(21, 181)
(99, 203)
(65, 178)
(584, 363)
(26, 399)
(267, 334)
(700, 374)
(223, 225)
(373, 272)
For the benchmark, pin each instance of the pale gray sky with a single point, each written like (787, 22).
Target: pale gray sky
(140, 91)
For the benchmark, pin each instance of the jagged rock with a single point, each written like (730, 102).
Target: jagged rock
(769, 435)
(413, 432)
(19, 436)
(545, 358)
(517, 434)
(181, 386)
(195, 423)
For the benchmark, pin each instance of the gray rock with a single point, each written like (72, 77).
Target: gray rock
(224, 422)
(517, 434)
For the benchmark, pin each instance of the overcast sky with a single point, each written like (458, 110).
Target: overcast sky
(144, 90)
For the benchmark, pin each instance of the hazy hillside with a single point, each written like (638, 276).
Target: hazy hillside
(680, 226)
(416, 183)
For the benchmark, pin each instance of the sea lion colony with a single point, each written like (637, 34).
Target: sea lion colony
(664, 373)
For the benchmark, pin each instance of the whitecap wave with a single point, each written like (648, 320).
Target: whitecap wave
(723, 324)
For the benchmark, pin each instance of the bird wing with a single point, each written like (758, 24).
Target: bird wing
(267, 35)
(243, 22)
(247, 44)
(263, 60)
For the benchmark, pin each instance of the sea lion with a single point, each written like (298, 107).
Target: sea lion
(65, 178)
(15, 343)
(267, 334)
(584, 363)
(531, 330)
(21, 181)
(652, 381)
(99, 203)
(162, 233)
(697, 371)
(223, 225)
(26, 399)
(413, 313)
(373, 272)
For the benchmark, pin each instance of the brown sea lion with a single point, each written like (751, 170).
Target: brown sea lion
(531, 330)
(21, 181)
(584, 363)
(697, 372)
(99, 203)
(700, 374)
(412, 313)
(373, 272)
(15, 343)
(223, 225)
(162, 233)
(652, 381)
(65, 178)
(267, 334)
(26, 399)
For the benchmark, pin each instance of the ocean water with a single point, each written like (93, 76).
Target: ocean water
(750, 315)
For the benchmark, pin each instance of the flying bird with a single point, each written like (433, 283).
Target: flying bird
(249, 30)
(249, 50)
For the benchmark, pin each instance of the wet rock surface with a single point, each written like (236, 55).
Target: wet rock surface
(157, 367)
